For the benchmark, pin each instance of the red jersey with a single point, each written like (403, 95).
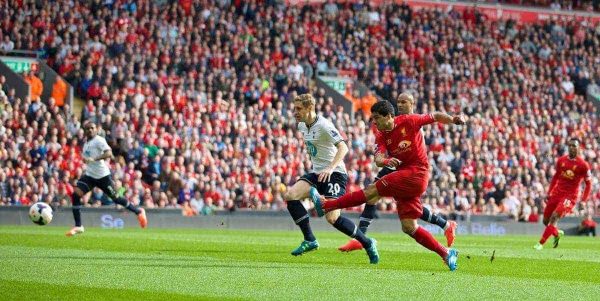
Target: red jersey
(569, 173)
(405, 141)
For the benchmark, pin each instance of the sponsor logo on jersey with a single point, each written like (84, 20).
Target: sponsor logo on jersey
(569, 174)
(404, 144)
(311, 149)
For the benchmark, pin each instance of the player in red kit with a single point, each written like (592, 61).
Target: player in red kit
(400, 144)
(564, 190)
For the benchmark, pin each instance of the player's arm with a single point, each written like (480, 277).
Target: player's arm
(342, 150)
(107, 154)
(588, 186)
(448, 119)
(381, 160)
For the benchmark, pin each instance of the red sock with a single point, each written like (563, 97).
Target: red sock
(550, 230)
(428, 241)
(348, 200)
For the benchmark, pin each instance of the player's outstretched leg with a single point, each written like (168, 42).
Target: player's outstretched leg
(315, 197)
(348, 200)
(78, 229)
(449, 227)
(140, 212)
(363, 225)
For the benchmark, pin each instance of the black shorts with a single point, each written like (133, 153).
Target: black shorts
(383, 172)
(333, 189)
(87, 183)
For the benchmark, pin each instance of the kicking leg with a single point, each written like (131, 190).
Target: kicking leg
(348, 200)
(107, 186)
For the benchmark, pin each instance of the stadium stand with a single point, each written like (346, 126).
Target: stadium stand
(195, 98)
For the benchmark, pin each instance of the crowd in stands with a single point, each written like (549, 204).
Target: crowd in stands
(195, 99)
(580, 5)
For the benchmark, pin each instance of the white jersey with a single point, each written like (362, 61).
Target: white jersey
(321, 139)
(93, 149)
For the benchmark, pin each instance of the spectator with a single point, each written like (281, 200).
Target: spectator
(587, 226)
(35, 84)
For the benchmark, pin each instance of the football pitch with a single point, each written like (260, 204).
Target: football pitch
(40, 263)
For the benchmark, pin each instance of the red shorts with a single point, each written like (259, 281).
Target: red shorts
(560, 204)
(406, 187)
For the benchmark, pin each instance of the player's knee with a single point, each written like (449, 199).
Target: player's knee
(289, 196)
(372, 201)
(408, 228)
(78, 192)
(332, 216)
(371, 193)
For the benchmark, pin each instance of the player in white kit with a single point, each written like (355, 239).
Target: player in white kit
(326, 149)
(97, 174)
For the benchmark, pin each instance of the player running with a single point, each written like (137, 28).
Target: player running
(326, 149)
(97, 174)
(563, 191)
(400, 144)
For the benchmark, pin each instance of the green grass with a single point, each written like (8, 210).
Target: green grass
(40, 263)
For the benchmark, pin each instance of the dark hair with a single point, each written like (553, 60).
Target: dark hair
(383, 108)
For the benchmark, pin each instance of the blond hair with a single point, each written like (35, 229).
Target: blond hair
(307, 100)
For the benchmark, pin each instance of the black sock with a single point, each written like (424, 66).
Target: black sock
(123, 202)
(366, 217)
(77, 209)
(300, 216)
(347, 227)
(433, 219)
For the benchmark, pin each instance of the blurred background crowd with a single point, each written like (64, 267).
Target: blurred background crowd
(195, 98)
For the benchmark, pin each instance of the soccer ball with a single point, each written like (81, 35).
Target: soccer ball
(40, 213)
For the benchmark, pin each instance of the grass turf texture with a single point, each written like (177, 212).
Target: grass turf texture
(40, 263)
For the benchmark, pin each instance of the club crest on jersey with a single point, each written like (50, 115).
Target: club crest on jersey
(403, 132)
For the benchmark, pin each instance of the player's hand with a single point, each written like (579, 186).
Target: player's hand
(325, 175)
(459, 120)
(392, 162)
(87, 160)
